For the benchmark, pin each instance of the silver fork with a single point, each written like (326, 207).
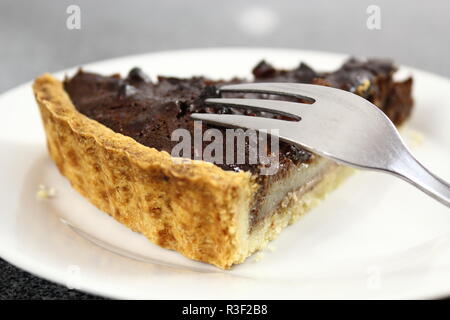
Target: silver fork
(338, 125)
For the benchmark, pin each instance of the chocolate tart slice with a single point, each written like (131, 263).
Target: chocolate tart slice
(111, 137)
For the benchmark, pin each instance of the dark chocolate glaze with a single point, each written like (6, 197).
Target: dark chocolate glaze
(150, 111)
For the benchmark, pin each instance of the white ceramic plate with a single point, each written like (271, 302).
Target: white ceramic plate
(375, 237)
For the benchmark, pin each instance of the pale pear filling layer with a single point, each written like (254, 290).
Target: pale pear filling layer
(296, 182)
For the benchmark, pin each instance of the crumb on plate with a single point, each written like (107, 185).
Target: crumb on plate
(258, 256)
(45, 192)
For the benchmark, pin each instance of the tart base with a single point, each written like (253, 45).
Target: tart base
(293, 207)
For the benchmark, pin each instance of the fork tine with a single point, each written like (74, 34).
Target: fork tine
(292, 109)
(277, 88)
(241, 121)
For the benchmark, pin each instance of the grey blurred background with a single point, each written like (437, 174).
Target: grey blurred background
(34, 39)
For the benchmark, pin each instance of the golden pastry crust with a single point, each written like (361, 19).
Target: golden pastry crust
(193, 207)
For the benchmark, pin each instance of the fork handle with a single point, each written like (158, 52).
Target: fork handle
(415, 173)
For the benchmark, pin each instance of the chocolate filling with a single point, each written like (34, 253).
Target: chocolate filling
(150, 111)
